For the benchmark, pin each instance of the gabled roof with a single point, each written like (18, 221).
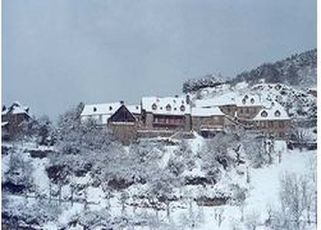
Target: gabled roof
(122, 115)
(206, 112)
(16, 108)
(102, 112)
(166, 105)
(275, 112)
(96, 109)
(107, 109)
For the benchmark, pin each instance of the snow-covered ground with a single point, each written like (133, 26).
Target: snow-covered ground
(263, 193)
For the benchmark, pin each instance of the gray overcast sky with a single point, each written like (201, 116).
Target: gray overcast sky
(57, 53)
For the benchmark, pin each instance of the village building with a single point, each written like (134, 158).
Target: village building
(102, 112)
(169, 116)
(273, 121)
(12, 119)
(165, 115)
(208, 121)
(124, 124)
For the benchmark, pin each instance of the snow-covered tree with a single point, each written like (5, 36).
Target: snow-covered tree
(19, 175)
(209, 80)
(298, 202)
(256, 150)
(218, 154)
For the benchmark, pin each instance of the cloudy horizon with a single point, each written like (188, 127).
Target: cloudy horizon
(59, 53)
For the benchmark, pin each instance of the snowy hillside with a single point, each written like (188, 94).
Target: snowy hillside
(223, 183)
(298, 71)
(299, 104)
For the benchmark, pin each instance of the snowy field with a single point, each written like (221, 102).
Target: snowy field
(263, 194)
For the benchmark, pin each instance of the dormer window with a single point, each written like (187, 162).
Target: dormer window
(252, 100)
(168, 107)
(277, 113)
(264, 114)
(95, 109)
(154, 106)
(182, 108)
(246, 97)
(110, 108)
(243, 101)
(175, 108)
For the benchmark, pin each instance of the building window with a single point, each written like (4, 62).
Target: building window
(110, 108)
(182, 108)
(154, 106)
(281, 124)
(247, 110)
(168, 107)
(264, 114)
(252, 100)
(95, 109)
(270, 124)
(277, 113)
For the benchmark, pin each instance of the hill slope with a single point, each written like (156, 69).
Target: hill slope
(299, 70)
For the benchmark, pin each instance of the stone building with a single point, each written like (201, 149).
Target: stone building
(171, 116)
(208, 121)
(12, 119)
(102, 112)
(273, 121)
(124, 125)
(165, 116)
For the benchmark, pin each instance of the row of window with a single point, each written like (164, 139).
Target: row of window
(277, 113)
(95, 109)
(271, 124)
(167, 120)
(247, 110)
(168, 107)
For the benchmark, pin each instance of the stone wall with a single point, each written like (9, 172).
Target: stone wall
(125, 132)
(212, 121)
(248, 112)
(277, 128)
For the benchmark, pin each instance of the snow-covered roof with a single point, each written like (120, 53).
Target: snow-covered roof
(206, 112)
(16, 108)
(135, 109)
(96, 109)
(231, 98)
(166, 105)
(107, 109)
(248, 100)
(275, 112)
